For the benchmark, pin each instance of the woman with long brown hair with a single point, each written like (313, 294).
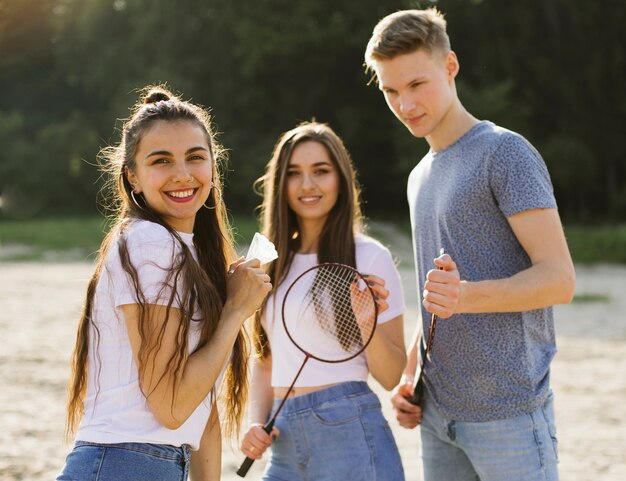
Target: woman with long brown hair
(311, 212)
(162, 322)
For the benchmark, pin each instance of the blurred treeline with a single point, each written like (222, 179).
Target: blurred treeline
(553, 70)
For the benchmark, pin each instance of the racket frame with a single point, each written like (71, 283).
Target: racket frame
(245, 466)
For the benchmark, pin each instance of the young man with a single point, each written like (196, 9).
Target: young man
(482, 193)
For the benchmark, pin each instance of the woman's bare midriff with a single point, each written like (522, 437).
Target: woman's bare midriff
(279, 392)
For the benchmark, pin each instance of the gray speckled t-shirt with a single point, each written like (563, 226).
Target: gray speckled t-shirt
(495, 365)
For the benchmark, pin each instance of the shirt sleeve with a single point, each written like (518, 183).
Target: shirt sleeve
(152, 253)
(519, 177)
(381, 264)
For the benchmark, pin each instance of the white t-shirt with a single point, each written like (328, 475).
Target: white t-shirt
(116, 411)
(371, 258)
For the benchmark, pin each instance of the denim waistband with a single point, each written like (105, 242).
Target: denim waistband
(164, 451)
(315, 398)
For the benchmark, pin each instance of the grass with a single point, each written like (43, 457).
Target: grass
(588, 244)
(80, 237)
(593, 244)
(74, 238)
(585, 298)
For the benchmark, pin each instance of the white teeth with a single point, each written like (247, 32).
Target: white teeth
(309, 199)
(181, 193)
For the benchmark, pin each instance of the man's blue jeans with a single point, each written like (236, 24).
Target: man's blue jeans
(518, 449)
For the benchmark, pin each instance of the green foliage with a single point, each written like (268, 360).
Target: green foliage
(80, 237)
(76, 238)
(588, 244)
(585, 298)
(244, 229)
(550, 70)
(600, 243)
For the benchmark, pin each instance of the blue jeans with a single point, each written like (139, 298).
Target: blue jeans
(335, 433)
(126, 462)
(518, 449)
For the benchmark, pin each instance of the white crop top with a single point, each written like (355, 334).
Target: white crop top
(116, 411)
(371, 258)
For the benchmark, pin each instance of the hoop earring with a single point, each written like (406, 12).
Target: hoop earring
(213, 186)
(132, 195)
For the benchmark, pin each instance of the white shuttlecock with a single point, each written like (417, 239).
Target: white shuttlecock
(261, 248)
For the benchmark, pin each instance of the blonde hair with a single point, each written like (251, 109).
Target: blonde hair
(405, 32)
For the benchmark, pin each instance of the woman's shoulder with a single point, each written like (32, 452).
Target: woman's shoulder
(373, 257)
(370, 250)
(145, 233)
(368, 245)
(147, 241)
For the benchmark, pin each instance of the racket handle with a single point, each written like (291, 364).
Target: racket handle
(418, 390)
(247, 463)
(245, 467)
(418, 393)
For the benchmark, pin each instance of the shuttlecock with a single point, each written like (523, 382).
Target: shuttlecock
(261, 248)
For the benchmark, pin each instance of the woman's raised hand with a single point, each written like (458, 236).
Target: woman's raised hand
(248, 285)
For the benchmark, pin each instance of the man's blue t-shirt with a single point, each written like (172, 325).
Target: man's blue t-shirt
(489, 366)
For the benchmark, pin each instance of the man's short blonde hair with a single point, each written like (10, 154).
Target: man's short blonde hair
(405, 32)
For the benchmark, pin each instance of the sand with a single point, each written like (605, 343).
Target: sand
(39, 307)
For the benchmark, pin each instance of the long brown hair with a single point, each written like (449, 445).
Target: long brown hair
(279, 221)
(205, 280)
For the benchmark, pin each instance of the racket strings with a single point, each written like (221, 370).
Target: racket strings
(340, 305)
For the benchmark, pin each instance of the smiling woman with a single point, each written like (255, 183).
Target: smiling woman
(329, 417)
(312, 189)
(173, 171)
(162, 321)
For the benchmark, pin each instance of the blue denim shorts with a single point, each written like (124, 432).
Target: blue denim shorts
(523, 448)
(335, 433)
(126, 462)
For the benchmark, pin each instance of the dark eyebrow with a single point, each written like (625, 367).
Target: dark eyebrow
(159, 152)
(193, 149)
(316, 164)
(165, 152)
(409, 83)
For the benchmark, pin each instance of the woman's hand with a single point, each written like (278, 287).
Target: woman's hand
(377, 285)
(256, 440)
(248, 285)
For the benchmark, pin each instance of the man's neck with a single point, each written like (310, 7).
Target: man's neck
(452, 127)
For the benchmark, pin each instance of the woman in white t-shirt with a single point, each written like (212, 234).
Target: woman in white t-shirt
(331, 427)
(161, 324)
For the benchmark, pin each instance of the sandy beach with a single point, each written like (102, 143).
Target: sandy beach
(40, 304)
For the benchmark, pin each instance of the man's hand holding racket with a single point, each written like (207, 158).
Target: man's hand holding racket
(441, 297)
(442, 288)
(408, 414)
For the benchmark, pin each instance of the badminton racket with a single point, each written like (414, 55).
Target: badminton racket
(418, 390)
(329, 313)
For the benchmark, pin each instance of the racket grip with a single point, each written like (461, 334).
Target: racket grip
(245, 467)
(418, 393)
(247, 463)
